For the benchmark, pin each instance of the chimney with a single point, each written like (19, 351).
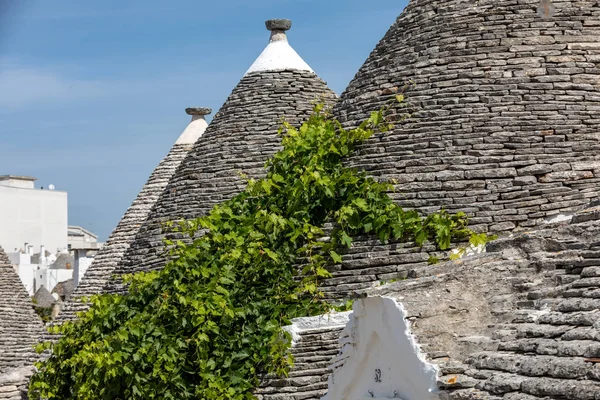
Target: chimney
(278, 27)
(43, 255)
(197, 125)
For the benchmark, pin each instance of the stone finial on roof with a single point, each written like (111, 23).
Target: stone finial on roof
(278, 27)
(198, 111)
(278, 24)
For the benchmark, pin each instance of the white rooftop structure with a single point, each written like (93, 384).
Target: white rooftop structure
(196, 127)
(18, 181)
(279, 55)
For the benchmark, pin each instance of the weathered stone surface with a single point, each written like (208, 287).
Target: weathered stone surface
(240, 138)
(113, 251)
(279, 24)
(20, 329)
(495, 93)
(518, 323)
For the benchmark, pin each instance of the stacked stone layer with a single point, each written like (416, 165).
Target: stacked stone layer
(308, 379)
(111, 254)
(521, 322)
(550, 347)
(20, 330)
(20, 326)
(505, 109)
(241, 137)
(369, 263)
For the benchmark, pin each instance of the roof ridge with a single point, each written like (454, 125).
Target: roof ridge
(111, 254)
(20, 327)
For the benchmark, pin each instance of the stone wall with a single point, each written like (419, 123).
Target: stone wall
(506, 109)
(370, 263)
(520, 322)
(13, 383)
(315, 344)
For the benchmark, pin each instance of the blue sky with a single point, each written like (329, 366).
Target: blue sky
(92, 93)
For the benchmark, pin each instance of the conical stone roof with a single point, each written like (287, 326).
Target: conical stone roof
(20, 326)
(121, 238)
(240, 138)
(504, 103)
(43, 299)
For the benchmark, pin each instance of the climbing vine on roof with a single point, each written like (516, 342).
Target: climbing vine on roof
(210, 323)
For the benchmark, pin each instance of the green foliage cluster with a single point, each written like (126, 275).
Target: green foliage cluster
(209, 323)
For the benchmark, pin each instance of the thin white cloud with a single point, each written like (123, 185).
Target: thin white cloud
(21, 87)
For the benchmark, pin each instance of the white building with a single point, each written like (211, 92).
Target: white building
(42, 269)
(80, 237)
(35, 234)
(29, 215)
(83, 245)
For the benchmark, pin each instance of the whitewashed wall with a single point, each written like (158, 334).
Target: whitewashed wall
(380, 358)
(38, 217)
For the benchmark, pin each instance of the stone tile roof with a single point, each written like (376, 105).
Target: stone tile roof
(315, 342)
(20, 326)
(504, 104)
(548, 346)
(64, 289)
(63, 261)
(369, 263)
(43, 299)
(240, 138)
(121, 238)
(521, 322)
(312, 351)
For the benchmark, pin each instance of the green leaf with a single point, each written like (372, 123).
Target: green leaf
(277, 178)
(361, 203)
(335, 257)
(346, 240)
(205, 325)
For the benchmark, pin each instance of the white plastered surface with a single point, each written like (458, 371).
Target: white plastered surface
(277, 56)
(193, 131)
(380, 357)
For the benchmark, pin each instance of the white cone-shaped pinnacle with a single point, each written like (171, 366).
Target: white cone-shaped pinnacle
(196, 127)
(278, 55)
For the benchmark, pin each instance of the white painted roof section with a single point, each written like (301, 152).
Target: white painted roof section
(279, 55)
(194, 130)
